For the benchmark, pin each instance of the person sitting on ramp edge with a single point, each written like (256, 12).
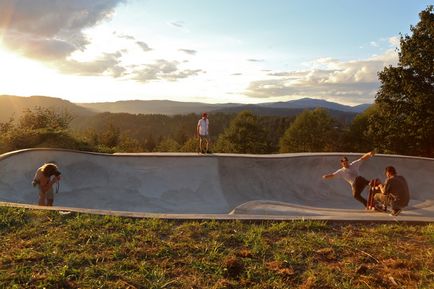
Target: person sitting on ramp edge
(350, 173)
(45, 177)
(394, 192)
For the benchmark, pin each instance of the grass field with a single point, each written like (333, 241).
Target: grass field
(47, 249)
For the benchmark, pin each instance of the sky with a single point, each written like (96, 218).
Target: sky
(239, 51)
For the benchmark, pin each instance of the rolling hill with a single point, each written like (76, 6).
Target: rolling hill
(14, 106)
(168, 107)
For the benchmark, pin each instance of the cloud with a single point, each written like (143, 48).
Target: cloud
(188, 51)
(143, 45)
(255, 60)
(288, 74)
(125, 36)
(108, 64)
(49, 30)
(350, 81)
(177, 24)
(162, 70)
(395, 41)
(45, 49)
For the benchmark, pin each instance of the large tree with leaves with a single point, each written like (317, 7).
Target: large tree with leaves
(244, 135)
(312, 131)
(404, 120)
(40, 127)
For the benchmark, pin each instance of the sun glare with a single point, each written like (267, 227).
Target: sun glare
(20, 75)
(24, 77)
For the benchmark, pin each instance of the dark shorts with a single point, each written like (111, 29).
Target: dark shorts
(358, 186)
(204, 137)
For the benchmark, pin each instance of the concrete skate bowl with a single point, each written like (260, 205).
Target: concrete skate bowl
(223, 186)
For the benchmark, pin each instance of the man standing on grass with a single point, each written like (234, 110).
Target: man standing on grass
(202, 132)
(350, 173)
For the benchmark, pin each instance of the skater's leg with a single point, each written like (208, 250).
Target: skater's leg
(359, 185)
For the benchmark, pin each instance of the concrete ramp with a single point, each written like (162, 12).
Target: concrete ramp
(287, 185)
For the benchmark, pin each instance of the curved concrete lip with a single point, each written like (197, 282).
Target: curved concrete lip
(217, 186)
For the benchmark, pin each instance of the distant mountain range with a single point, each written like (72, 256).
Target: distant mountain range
(166, 107)
(175, 107)
(13, 106)
(314, 103)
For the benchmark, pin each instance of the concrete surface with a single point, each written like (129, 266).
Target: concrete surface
(218, 186)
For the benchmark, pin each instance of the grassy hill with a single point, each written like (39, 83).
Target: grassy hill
(51, 250)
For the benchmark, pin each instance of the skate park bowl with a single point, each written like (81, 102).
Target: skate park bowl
(216, 186)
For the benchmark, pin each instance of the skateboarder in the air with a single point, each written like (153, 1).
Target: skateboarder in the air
(350, 173)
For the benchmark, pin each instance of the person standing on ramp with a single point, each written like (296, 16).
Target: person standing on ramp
(202, 132)
(350, 173)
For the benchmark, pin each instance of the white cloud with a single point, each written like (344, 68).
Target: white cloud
(347, 81)
(394, 41)
(162, 69)
(144, 46)
(177, 24)
(108, 64)
(53, 32)
(29, 21)
(188, 51)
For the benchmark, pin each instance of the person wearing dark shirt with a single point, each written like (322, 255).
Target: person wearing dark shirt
(394, 191)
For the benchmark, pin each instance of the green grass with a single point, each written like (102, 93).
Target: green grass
(46, 249)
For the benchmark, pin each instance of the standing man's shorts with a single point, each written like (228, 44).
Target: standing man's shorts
(204, 137)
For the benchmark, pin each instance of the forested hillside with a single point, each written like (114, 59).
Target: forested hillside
(14, 106)
(243, 132)
(147, 131)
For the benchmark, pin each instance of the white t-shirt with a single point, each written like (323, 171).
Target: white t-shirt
(203, 126)
(351, 173)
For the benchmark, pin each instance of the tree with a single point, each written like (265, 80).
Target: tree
(405, 100)
(244, 135)
(110, 136)
(359, 137)
(167, 145)
(40, 127)
(44, 118)
(128, 144)
(311, 131)
(191, 145)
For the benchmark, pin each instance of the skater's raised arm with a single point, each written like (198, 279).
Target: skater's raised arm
(328, 176)
(368, 155)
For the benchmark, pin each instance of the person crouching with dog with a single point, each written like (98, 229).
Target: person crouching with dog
(45, 177)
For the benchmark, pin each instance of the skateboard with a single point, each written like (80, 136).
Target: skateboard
(372, 205)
